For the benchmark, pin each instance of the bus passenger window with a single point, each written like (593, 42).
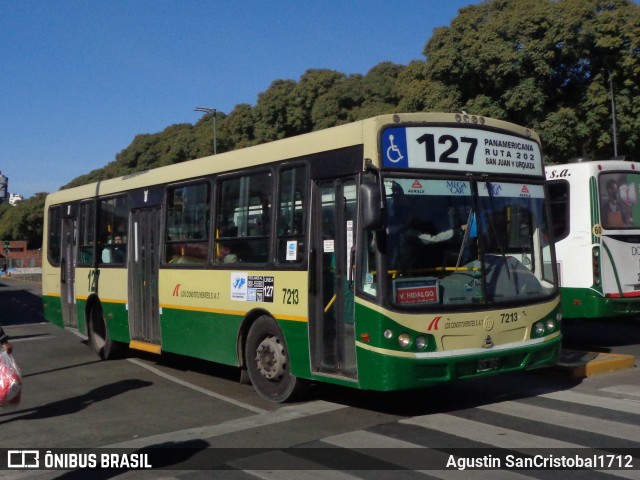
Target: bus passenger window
(187, 234)
(291, 215)
(113, 224)
(244, 218)
(55, 235)
(86, 232)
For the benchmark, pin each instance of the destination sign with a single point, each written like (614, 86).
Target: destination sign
(463, 149)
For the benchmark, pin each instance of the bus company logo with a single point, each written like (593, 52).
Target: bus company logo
(434, 324)
(487, 323)
(176, 290)
(488, 342)
(524, 191)
(239, 288)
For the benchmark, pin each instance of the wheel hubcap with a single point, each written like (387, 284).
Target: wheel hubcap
(270, 358)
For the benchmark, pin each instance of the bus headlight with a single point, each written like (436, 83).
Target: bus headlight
(421, 342)
(538, 329)
(404, 340)
(388, 334)
(551, 324)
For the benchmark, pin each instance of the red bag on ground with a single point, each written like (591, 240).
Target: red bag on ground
(10, 380)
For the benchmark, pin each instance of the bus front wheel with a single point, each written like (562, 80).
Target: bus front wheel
(99, 338)
(268, 362)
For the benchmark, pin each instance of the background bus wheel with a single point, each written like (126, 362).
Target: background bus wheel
(268, 362)
(99, 339)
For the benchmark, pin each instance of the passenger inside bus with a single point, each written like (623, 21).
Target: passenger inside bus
(114, 251)
(615, 213)
(224, 254)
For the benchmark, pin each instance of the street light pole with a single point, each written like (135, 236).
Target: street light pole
(212, 111)
(613, 118)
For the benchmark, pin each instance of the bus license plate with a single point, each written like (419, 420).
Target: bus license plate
(488, 364)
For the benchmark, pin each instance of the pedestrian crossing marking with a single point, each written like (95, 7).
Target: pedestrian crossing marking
(566, 419)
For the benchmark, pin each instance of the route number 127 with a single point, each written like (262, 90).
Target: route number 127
(451, 148)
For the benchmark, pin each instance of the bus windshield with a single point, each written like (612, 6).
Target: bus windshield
(618, 200)
(458, 242)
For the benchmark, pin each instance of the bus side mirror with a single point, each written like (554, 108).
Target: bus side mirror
(371, 206)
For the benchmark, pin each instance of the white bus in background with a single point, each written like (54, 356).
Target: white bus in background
(596, 225)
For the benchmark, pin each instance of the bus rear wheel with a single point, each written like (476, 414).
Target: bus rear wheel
(268, 364)
(99, 338)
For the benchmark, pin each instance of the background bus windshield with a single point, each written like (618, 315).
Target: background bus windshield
(619, 206)
(445, 247)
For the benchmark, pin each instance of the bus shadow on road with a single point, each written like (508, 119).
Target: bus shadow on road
(455, 396)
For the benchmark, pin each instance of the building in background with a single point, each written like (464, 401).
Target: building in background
(15, 255)
(4, 188)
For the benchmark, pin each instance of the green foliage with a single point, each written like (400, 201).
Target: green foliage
(23, 221)
(545, 64)
(533, 61)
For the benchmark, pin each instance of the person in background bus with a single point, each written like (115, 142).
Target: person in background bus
(614, 211)
(4, 342)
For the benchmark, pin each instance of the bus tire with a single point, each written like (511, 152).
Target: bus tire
(268, 365)
(99, 338)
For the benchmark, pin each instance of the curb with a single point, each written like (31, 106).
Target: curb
(587, 364)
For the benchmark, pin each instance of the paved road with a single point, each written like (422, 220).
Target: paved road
(73, 401)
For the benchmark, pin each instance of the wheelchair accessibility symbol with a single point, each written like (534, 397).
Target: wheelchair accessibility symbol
(394, 148)
(394, 155)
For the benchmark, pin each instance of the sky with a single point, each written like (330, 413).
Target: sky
(79, 79)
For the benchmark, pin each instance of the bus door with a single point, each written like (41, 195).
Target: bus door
(144, 256)
(332, 311)
(68, 271)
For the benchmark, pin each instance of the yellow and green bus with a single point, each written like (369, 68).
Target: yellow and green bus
(397, 252)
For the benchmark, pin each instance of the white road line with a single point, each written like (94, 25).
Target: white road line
(210, 393)
(631, 390)
(362, 439)
(498, 436)
(305, 469)
(284, 414)
(619, 404)
(32, 339)
(566, 420)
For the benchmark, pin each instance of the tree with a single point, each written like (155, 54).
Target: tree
(312, 85)
(546, 64)
(534, 62)
(271, 112)
(23, 221)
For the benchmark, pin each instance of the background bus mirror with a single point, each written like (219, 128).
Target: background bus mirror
(371, 206)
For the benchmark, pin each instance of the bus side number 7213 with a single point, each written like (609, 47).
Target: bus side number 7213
(290, 296)
(452, 146)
